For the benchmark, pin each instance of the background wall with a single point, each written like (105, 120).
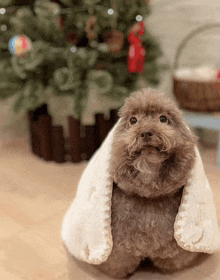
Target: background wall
(170, 21)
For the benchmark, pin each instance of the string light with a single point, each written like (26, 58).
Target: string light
(110, 12)
(2, 11)
(3, 27)
(139, 18)
(73, 49)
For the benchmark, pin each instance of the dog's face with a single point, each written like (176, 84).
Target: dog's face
(151, 134)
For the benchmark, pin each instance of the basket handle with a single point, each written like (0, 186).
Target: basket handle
(189, 37)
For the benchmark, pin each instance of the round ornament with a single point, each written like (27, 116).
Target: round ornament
(115, 40)
(91, 28)
(20, 45)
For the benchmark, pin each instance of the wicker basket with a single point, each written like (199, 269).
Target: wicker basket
(203, 96)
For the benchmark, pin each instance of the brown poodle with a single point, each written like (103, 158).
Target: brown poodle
(152, 155)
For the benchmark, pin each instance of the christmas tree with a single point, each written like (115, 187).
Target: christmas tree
(68, 47)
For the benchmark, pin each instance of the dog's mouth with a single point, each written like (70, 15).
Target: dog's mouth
(158, 149)
(148, 159)
(137, 153)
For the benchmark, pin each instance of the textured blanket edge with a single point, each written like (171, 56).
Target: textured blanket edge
(86, 228)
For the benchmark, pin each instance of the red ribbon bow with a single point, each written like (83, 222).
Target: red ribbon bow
(136, 52)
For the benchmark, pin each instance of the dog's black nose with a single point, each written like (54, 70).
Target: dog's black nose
(146, 135)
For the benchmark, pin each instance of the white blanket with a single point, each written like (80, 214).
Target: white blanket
(86, 229)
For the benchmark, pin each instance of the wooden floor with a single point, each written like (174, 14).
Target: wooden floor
(34, 196)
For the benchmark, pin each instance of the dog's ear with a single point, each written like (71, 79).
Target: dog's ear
(125, 111)
(187, 133)
(120, 112)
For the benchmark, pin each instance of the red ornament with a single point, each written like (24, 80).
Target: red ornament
(136, 52)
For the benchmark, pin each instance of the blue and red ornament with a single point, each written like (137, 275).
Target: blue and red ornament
(19, 45)
(136, 52)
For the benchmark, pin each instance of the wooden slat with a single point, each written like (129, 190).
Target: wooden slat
(58, 144)
(45, 130)
(74, 139)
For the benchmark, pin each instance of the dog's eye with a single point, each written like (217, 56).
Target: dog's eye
(163, 119)
(133, 120)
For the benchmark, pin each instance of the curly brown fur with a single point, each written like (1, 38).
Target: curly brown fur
(150, 164)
